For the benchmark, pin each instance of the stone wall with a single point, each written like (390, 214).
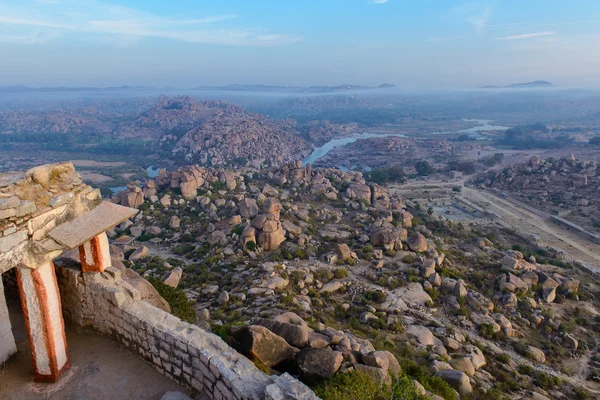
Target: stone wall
(189, 355)
(7, 341)
(34, 203)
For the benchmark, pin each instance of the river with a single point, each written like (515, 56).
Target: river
(151, 171)
(474, 132)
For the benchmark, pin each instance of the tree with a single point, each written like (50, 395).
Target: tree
(595, 141)
(423, 168)
(380, 176)
(396, 173)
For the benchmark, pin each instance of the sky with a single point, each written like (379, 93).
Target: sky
(410, 43)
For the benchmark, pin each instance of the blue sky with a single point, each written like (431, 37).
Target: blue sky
(412, 43)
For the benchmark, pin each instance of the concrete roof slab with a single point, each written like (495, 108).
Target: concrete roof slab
(90, 224)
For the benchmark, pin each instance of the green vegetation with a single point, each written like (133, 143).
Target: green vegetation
(595, 141)
(180, 305)
(535, 136)
(423, 168)
(357, 385)
(380, 176)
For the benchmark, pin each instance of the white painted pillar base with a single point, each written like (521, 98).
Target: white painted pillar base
(40, 300)
(95, 254)
(7, 340)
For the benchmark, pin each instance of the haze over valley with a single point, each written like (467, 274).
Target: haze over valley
(367, 200)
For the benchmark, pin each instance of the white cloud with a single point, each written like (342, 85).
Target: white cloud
(477, 13)
(526, 36)
(378, 1)
(101, 18)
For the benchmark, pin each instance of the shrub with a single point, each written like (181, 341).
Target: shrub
(357, 385)
(340, 273)
(376, 296)
(179, 303)
(409, 259)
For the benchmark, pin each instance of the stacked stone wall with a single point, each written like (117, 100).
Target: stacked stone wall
(187, 354)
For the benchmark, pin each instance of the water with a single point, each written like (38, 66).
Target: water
(152, 172)
(484, 127)
(117, 189)
(320, 152)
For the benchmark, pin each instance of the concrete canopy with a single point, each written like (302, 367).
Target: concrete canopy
(90, 224)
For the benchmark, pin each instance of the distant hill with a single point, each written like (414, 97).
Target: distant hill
(230, 88)
(534, 84)
(294, 89)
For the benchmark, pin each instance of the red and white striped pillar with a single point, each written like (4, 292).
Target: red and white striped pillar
(95, 254)
(40, 300)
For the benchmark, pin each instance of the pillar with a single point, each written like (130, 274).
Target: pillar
(40, 300)
(95, 254)
(7, 340)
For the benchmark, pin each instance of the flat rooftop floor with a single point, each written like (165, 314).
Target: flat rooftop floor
(100, 369)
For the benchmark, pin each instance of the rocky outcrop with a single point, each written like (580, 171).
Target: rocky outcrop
(268, 225)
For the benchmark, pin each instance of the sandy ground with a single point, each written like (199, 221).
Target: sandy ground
(94, 177)
(92, 163)
(521, 219)
(100, 369)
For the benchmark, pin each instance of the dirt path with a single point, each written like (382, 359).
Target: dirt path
(529, 222)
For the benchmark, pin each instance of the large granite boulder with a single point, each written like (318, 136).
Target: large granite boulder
(318, 364)
(259, 343)
(417, 242)
(294, 333)
(457, 379)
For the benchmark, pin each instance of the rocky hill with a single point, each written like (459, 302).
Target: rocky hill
(227, 134)
(565, 186)
(174, 115)
(322, 274)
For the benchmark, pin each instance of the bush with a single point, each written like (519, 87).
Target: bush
(376, 296)
(340, 273)
(409, 259)
(357, 385)
(179, 303)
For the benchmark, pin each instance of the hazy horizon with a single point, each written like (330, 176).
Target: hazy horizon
(413, 44)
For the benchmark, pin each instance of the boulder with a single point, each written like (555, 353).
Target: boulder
(173, 277)
(417, 242)
(343, 251)
(536, 354)
(174, 222)
(140, 252)
(422, 334)
(427, 268)
(188, 190)
(291, 228)
(318, 364)
(215, 237)
(384, 360)
(296, 335)
(570, 342)
(271, 240)
(377, 375)
(259, 343)
(463, 364)
(248, 208)
(271, 206)
(457, 379)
